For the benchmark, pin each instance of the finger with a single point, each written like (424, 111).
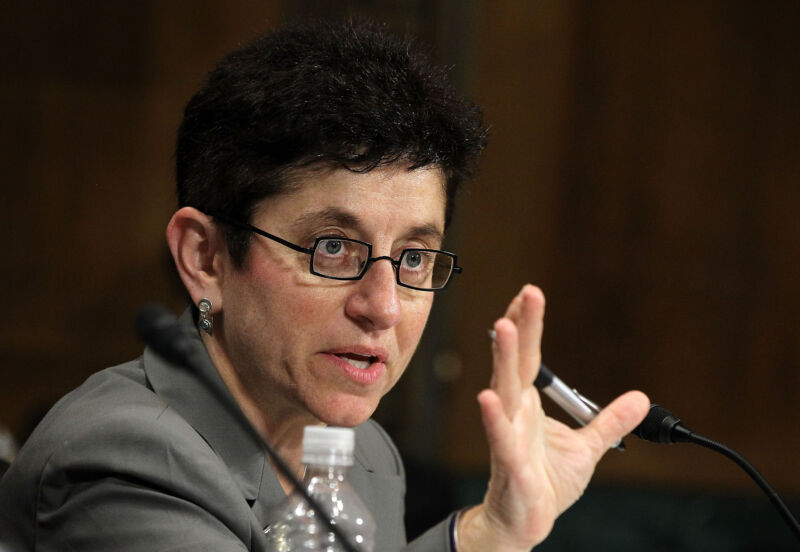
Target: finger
(499, 432)
(505, 365)
(530, 326)
(615, 421)
(514, 307)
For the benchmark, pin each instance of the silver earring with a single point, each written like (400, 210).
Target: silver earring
(206, 322)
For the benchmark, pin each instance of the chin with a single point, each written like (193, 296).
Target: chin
(344, 411)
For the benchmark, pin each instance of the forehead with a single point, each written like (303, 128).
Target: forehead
(390, 198)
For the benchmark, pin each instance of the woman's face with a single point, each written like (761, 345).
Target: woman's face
(301, 344)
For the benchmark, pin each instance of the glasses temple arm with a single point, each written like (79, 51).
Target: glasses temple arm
(259, 231)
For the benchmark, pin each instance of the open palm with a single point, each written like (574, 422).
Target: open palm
(539, 466)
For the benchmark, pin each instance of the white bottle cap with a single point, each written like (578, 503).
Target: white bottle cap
(328, 445)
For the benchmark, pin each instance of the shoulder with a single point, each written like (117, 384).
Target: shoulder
(112, 455)
(115, 423)
(113, 429)
(114, 409)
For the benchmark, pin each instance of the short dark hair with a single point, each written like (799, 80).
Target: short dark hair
(345, 94)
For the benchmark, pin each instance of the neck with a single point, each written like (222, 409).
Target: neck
(280, 427)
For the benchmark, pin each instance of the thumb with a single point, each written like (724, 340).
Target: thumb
(615, 421)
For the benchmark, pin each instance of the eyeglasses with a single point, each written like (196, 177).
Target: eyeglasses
(341, 258)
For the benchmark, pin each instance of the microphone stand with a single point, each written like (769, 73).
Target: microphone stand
(161, 331)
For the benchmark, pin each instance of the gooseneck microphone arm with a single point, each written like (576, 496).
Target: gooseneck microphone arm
(162, 332)
(661, 426)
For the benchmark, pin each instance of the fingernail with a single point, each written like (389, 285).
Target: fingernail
(492, 335)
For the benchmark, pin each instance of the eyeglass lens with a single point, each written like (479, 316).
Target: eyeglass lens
(344, 258)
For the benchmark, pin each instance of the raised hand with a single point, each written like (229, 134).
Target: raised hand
(539, 466)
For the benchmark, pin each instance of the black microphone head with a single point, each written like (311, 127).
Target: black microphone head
(161, 331)
(660, 426)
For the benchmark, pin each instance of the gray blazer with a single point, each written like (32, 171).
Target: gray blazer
(145, 457)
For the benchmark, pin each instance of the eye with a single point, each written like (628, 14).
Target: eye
(413, 259)
(417, 262)
(333, 247)
(339, 257)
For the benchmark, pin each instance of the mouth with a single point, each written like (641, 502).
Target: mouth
(362, 365)
(361, 362)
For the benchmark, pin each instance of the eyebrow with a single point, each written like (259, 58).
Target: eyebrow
(329, 215)
(340, 217)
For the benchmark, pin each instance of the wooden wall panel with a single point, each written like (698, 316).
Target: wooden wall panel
(91, 97)
(643, 170)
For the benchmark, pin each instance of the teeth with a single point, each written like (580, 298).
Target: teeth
(358, 363)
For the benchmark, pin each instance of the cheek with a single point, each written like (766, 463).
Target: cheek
(273, 286)
(259, 305)
(415, 318)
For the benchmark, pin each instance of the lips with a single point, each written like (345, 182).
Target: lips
(363, 365)
(357, 355)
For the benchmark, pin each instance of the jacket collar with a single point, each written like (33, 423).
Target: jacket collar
(200, 396)
(204, 401)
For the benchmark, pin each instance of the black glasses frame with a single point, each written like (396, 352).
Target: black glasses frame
(370, 259)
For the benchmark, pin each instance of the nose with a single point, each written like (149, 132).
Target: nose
(375, 303)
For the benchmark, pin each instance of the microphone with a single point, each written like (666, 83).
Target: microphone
(161, 331)
(662, 426)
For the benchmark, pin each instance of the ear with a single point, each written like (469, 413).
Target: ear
(199, 252)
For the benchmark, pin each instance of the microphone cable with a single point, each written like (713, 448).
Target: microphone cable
(161, 331)
(661, 426)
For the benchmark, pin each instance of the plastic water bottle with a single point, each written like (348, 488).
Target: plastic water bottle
(295, 527)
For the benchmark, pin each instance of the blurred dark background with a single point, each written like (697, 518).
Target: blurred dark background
(643, 169)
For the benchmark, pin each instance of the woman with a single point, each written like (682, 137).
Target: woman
(316, 172)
